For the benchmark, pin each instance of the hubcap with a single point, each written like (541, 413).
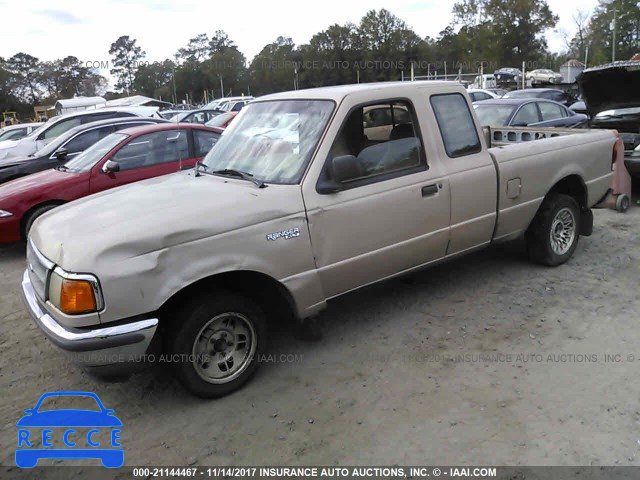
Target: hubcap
(224, 348)
(563, 231)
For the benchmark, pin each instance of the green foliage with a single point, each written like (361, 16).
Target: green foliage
(483, 34)
(126, 60)
(600, 35)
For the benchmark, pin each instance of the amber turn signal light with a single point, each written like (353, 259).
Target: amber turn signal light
(77, 296)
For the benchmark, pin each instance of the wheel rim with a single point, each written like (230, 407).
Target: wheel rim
(224, 348)
(563, 231)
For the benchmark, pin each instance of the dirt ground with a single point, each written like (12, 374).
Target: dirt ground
(486, 360)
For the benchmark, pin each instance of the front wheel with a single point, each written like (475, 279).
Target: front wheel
(216, 341)
(553, 234)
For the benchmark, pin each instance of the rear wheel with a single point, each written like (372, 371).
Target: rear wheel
(34, 215)
(553, 235)
(216, 340)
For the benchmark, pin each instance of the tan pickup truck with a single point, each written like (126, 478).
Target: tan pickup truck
(296, 205)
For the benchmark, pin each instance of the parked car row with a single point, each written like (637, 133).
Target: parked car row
(18, 131)
(67, 146)
(540, 107)
(526, 112)
(60, 124)
(127, 155)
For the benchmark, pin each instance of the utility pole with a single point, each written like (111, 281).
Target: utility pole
(221, 87)
(613, 26)
(175, 96)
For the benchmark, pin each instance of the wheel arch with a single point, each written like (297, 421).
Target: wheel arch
(574, 186)
(268, 293)
(28, 213)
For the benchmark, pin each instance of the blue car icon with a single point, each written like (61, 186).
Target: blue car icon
(97, 420)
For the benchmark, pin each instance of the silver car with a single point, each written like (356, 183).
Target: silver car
(543, 75)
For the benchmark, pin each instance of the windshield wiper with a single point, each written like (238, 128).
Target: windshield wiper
(230, 172)
(62, 168)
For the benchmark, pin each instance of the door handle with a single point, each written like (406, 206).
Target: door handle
(429, 190)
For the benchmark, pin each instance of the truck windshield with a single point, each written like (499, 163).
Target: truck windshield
(492, 114)
(92, 155)
(272, 141)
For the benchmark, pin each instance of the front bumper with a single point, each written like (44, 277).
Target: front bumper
(105, 350)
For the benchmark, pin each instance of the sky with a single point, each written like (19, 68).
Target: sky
(51, 30)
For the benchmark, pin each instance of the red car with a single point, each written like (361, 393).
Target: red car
(124, 157)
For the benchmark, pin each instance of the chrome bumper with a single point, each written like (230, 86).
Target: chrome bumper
(117, 345)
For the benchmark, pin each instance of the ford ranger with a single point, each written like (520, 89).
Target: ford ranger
(307, 195)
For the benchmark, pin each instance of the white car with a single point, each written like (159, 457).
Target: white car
(219, 102)
(477, 94)
(543, 75)
(18, 131)
(60, 124)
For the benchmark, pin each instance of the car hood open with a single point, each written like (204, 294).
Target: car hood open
(611, 86)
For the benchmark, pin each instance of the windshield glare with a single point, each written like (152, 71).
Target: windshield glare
(273, 141)
(493, 115)
(92, 155)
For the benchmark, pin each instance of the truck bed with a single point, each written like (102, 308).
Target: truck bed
(524, 160)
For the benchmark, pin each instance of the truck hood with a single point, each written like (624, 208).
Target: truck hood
(611, 86)
(155, 215)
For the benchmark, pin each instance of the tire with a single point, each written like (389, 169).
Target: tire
(34, 215)
(623, 203)
(553, 234)
(217, 340)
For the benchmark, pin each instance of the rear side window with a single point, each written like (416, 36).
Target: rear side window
(62, 126)
(456, 125)
(153, 149)
(550, 111)
(527, 114)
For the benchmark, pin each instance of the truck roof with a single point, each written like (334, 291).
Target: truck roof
(339, 92)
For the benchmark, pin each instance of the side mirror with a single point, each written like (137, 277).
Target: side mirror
(111, 167)
(340, 169)
(344, 168)
(61, 154)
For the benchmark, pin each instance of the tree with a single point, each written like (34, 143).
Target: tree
(627, 26)
(155, 79)
(197, 50)
(24, 70)
(126, 60)
(273, 69)
(512, 29)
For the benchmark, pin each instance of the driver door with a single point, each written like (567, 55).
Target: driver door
(393, 214)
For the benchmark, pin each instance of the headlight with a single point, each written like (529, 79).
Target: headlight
(4, 213)
(74, 293)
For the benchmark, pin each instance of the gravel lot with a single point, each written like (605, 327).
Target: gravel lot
(388, 383)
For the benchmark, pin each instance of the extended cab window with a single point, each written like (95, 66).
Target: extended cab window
(153, 149)
(456, 124)
(383, 138)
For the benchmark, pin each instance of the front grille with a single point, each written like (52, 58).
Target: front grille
(39, 268)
